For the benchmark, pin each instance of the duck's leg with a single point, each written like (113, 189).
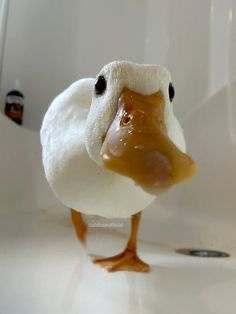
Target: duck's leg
(128, 259)
(79, 224)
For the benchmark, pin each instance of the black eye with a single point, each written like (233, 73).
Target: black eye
(100, 85)
(171, 92)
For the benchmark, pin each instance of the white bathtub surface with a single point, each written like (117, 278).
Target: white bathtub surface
(44, 269)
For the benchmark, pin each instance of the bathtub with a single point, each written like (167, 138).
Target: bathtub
(43, 266)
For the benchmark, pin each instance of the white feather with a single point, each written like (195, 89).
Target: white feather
(71, 137)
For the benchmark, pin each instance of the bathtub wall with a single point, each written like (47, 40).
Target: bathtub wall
(201, 212)
(50, 44)
(22, 181)
(196, 40)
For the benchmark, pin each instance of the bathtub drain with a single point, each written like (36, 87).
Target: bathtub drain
(202, 253)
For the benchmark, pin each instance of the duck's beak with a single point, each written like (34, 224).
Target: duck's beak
(137, 145)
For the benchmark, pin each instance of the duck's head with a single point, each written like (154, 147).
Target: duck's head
(131, 128)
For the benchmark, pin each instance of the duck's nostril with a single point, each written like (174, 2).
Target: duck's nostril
(126, 120)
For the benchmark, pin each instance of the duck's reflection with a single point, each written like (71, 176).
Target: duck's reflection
(134, 298)
(103, 288)
(73, 284)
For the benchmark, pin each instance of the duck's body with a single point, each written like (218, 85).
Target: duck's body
(78, 144)
(78, 181)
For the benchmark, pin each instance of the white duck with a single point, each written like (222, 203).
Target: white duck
(111, 144)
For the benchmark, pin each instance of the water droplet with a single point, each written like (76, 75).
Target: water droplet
(138, 147)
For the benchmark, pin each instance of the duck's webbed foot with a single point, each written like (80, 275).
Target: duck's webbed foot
(127, 260)
(79, 224)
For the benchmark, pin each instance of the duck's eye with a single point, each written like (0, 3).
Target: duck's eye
(100, 85)
(171, 92)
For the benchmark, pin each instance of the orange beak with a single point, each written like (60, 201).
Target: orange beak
(137, 145)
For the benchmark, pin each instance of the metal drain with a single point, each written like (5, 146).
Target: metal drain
(202, 253)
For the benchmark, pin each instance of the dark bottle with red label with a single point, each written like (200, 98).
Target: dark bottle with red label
(14, 106)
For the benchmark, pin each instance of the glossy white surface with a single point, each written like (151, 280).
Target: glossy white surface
(195, 40)
(44, 269)
(51, 44)
(22, 181)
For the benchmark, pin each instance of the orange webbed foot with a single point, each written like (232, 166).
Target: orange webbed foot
(127, 260)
